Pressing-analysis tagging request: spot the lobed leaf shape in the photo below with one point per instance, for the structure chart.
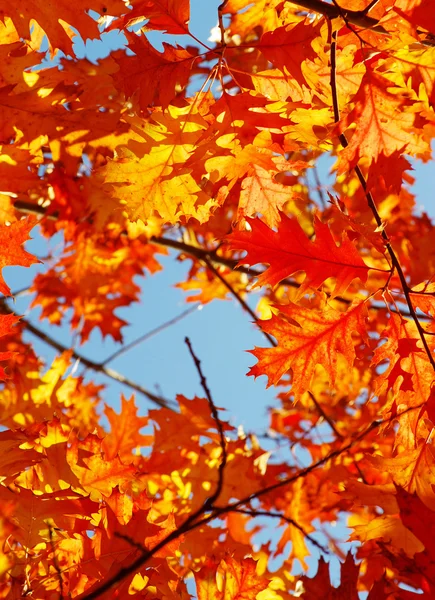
(57, 19)
(289, 250)
(169, 16)
(383, 123)
(320, 588)
(230, 579)
(287, 47)
(11, 239)
(307, 338)
(151, 75)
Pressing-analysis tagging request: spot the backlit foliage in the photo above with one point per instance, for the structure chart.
(207, 149)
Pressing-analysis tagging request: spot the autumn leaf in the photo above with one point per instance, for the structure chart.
(413, 470)
(58, 25)
(383, 123)
(121, 150)
(153, 77)
(287, 47)
(229, 580)
(319, 587)
(12, 238)
(307, 338)
(170, 16)
(290, 250)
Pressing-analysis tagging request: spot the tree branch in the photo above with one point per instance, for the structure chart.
(239, 299)
(193, 522)
(209, 504)
(276, 515)
(356, 17)
(200, 254)
(98, 367)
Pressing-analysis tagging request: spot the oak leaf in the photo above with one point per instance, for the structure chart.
(289, 250)
(12, 238)
(57, 22)
(287, 47)
(384, 123)
(169, 16)
(154, 77)
(320, 588)
(125, 435)
(413, 470)
(229, 579)
(307, 338)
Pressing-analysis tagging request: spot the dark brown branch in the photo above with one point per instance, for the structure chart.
(209, 504)
(356, 17)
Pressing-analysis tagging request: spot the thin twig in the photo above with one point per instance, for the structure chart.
(276, 515)
(239, 299)
(319, 187)
(209, 504)
(325, 416)
(150, 334)
(98, 367)
(56, 562)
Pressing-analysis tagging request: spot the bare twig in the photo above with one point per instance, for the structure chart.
(239, 299)
(325, 416)
(150, 334)
(276, 515)
(319, 187)
(98, 367)
(209, 504)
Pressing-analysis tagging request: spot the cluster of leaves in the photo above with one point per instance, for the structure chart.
(125, 160)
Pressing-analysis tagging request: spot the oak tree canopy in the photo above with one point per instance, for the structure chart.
(208, 151)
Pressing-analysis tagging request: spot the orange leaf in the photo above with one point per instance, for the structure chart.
(289, 250)
(11, 239)
(287, 47)
(170, 16)
(383, 123)
(320, 588)
(307, 338)
(229, 580)
(152, 75)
